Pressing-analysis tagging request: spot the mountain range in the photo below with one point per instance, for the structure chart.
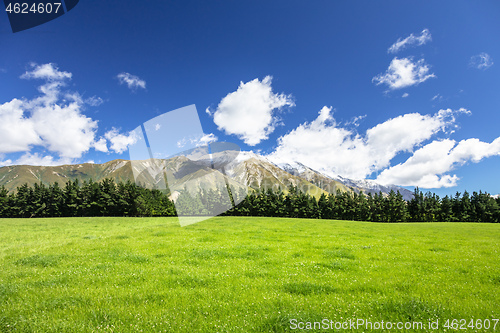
(247, 169)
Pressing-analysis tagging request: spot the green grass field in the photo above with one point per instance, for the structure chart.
(241, 274)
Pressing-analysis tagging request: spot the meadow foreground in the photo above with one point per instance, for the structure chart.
(239, 274)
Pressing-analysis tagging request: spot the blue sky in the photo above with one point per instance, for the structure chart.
(316, 82)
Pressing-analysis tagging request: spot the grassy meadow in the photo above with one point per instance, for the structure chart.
(240, 274)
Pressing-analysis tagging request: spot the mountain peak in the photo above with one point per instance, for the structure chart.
(248, 168)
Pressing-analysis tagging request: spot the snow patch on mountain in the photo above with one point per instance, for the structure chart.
(293, 168)
(371, 186)
(34, 175)
(364, 185)
(246, 155)
(230, 162)
(118, 166)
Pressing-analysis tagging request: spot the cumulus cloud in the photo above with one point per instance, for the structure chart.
(481, 61)
(400, 44)
(101, 145)
(64, 129)
(335, 150)
(429, 165)
(132, 81)
(54, 120)
(17, 132)
(5, 163)
(206, 139)
(250, 111)
(404, 73)
(405, 95)
(49, 72)
(36, 159)
(120, 142)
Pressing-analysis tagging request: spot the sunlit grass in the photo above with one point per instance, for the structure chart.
(240, 274)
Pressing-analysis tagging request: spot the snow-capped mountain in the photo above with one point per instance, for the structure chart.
(365, 185)
(371, 186)
(241, 168)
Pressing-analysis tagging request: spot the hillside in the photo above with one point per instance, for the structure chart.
(13, 176)
(247, 169)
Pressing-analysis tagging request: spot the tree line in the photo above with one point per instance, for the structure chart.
(429, 207)
(107, 198)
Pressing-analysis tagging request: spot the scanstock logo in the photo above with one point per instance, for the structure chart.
(171, 153)
(26, 14)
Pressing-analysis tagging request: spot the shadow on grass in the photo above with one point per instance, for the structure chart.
(342, 253)
(307, 288)
(40, 260)
(7, 291)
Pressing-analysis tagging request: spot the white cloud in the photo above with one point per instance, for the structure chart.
(206, 139)
(101, 145)
(197, 141)
(181, 143)
(424, 37)
(335, 150)
(120, 142)
(438, 98)
(481, 61)
(94, 101)
(355, 120)
(405, 95)
(404, 73)
(17, 132)
(36, 159)
(6, 163)
(53, 120)
(429, 165)
(250, 111)
(132, 81)
(64, 129)
(49, 72)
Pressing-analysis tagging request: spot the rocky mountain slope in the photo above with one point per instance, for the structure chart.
(246, 169)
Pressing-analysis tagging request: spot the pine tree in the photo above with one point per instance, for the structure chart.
(39, 200)
(23, 201)
(446, 210)
(71, 197)
(416, 206)
(363, 211)
(323, 207)
(4, 202)
(466, 208)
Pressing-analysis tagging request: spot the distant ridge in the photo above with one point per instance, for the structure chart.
(248, 168)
